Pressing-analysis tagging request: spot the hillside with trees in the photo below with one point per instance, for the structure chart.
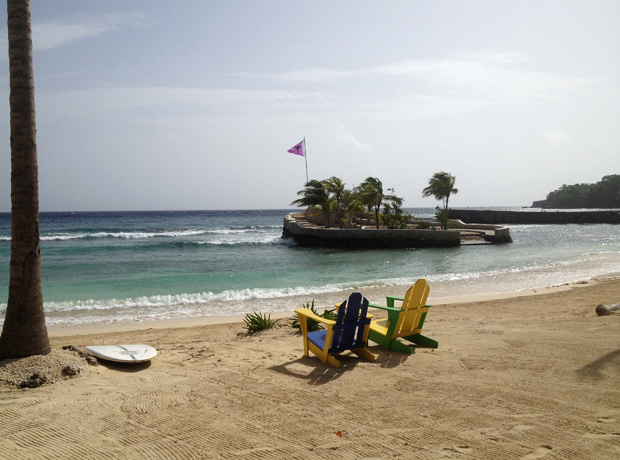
(603, 194)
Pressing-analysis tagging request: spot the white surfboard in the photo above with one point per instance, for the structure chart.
(123, 353)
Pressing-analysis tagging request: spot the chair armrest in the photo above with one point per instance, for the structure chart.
(391, 298)
(310, 314)
(383, 307)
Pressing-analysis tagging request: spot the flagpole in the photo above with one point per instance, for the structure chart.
(305, 158)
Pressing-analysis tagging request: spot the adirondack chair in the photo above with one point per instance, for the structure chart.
(348, 332)
(405, 322)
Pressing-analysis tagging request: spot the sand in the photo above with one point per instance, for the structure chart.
(525, 377)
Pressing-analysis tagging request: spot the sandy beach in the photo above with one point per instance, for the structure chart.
(525, 376)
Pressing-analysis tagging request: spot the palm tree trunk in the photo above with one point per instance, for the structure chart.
(24, 332)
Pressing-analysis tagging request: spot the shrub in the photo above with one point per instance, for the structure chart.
(313, 325)
(393, 217)
(422, 225)
(255, 322)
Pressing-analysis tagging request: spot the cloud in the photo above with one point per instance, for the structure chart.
(498, 78)
(177, 102)
(352, 140)
(556, 137)
(52, 34)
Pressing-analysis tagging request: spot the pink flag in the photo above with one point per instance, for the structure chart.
(298, 149)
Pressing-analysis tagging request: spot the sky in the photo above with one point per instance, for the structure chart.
(168, 105)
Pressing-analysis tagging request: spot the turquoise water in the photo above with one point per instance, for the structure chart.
(137, 266)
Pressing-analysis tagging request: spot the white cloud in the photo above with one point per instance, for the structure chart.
(174, 101)
(556, 137)
(352, 140)
(498, 78)
(59, 32)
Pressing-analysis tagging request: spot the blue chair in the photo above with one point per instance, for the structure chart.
(348, 332)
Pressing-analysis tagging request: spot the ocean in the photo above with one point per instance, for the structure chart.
(103, 268)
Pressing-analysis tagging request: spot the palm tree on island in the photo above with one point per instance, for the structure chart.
(315, 194)
(330, 196)
(441, 186)
(336, 187)
(371, 193)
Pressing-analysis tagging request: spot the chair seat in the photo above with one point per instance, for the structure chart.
(380, 326)
(318, 338)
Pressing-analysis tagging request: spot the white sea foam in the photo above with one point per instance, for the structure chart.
(125, 235)
(511, 279)
(163, 234)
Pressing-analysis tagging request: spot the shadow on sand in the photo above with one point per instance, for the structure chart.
(123, 367)
(594, 370)
(312, 370)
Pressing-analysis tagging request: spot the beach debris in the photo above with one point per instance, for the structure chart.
(90, 359)
(72, 348)
(604, 310)
(72, 370)
(34, 381)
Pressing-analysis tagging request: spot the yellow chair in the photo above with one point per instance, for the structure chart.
(405, 322)
(348, 332)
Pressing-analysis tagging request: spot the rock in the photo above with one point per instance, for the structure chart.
(91, 360)
(72, 370)
(34, 381)
(72, 348)
(604, 310)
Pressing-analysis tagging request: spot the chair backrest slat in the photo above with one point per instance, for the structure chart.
(413, 307)
(350, 323)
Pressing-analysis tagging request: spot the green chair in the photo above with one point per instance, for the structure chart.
(405, 322)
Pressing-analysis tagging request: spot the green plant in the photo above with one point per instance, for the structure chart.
(442, 217)
(422, 225)
(393, 217)
(313, 324)
(371, 194)
(255, 322)
(315, 194)
(441, 186)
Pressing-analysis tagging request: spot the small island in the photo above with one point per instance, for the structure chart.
(366, 218)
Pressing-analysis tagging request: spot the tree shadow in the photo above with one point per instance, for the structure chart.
(123, 367)
(593, 370)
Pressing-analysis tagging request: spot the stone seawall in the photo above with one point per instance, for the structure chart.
(368, 238)
(536, 217)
